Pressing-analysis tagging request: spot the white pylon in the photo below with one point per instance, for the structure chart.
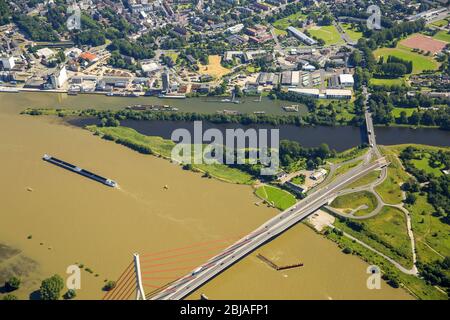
(140, 294)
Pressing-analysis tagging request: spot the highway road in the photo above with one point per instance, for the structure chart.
(272, 228)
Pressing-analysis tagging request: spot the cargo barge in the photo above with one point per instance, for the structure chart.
(83, 172)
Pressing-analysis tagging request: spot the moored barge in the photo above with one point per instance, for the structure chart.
(83, 172)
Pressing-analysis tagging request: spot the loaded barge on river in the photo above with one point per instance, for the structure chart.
(83, 172)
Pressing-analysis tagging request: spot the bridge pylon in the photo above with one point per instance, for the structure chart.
(140, 294)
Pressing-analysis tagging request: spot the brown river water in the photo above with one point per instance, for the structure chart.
(74, 220)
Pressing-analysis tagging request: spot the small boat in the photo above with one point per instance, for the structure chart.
(110, 94)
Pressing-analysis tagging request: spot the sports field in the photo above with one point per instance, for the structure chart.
(275, 196)
(214, 68)
(421, 42)
(420, 62)
(387, 82)
(328, 33)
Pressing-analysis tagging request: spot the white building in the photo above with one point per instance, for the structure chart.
(318, 174)
(235, 29)
(346, 80)
(59, 78)
(8, 63)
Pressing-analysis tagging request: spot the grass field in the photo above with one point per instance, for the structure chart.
(352, 201)
(279, 198)
(396, 111)
(440, 23)
(159, 146)
(351, 32)
(387, 233)
(172, 54)
(387, 82)
(431, 234)
(328, 33)
(424, 165)
(298, 180)
(214, 68)
(420, 62)
(367, 179)
(284, 23)
(443, 36)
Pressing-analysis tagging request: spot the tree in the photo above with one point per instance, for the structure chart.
(347, 250)
(51, 288)
(70, 294)
(12, 284)
(109, 285)
(10, 297)
(410, 198)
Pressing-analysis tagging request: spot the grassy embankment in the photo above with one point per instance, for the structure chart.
(346, 167)
(365, 180)
(416, 286)
(276, 197)
(389, 190)
(348, 155)
(161, 147)
(364, 202)
(385, 232)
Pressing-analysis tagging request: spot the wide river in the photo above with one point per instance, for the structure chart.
(56, 218)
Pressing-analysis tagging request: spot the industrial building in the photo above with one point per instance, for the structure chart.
(346, 80)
